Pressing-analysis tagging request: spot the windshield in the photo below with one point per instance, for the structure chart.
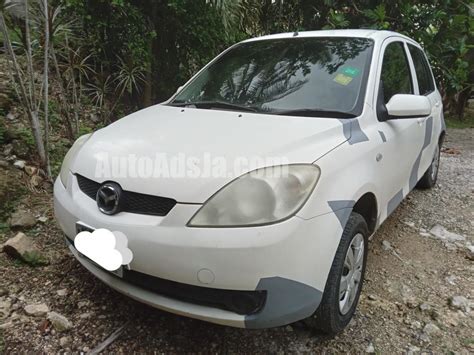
(316, 76)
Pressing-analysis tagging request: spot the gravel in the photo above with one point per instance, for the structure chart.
(411, 301)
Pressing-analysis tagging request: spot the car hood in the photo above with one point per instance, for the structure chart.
(229, 142)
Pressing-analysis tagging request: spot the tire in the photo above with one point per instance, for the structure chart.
(329, 318)
(428, 180)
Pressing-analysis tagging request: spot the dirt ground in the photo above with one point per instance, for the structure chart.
(405, 305)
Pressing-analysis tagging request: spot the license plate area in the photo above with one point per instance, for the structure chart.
(81, 227)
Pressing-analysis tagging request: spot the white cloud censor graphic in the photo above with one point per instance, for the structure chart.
(108, 249)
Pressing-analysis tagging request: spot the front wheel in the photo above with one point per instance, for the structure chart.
(428, 180)
(345, 279)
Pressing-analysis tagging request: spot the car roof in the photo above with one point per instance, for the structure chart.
(357, 33)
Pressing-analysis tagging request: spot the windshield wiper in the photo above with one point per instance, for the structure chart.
(215, 104)
(314, 112)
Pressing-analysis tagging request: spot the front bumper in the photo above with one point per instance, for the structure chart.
(290, 261)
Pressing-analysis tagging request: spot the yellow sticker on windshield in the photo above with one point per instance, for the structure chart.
(342, 79)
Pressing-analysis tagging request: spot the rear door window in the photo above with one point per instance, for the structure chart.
(422, 69)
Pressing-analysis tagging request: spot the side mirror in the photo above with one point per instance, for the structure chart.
(408, 106)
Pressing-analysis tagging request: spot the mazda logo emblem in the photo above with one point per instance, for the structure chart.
(108, 198)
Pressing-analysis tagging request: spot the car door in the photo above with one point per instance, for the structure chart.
(402, 139)
(426, 86)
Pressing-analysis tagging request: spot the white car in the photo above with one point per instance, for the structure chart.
(353, 122)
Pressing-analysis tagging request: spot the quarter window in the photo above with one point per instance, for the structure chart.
(422, 69)
(396, 77)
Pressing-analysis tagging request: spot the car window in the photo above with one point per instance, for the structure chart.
(422, 69)
(279, 75)
(396, 77)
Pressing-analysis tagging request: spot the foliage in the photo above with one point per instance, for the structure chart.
(35, 259)
(444, 27)
(121, 55)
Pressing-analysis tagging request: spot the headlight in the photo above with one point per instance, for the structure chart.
(262, 196)
(69, 158)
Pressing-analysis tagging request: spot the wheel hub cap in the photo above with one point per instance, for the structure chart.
(351, 273)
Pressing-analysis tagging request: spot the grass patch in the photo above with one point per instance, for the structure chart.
(467, 122)
(468, 341)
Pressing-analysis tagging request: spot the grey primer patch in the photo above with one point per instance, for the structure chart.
(287, 301)
(352, 131)
(342, 209)
(394, 202)
(428, 132)
(414, 170)
(382, 135)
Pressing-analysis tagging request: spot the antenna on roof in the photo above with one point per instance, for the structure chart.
(295, 33)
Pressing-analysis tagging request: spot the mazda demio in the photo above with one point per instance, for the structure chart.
(356, 120)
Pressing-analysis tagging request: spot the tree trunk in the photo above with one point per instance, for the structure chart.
(46, 87)
(24, 97)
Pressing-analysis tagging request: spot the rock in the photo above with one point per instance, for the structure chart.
(36, 180)
(62, 292)
(372, 297)
(31, 170)
(36, 310)
(24, 248)
(86, 315)
(412, 349)
(59, 322)
(451, 279)
(407, 296)
(22, 219)
(386, 245)
(64, 341)
(6, 325)
(19, 164)
(470, 251)
(10, 116)
(431, 329)
(4, 164)
(410, 224)
(8, 149)
(460, 302)
(289, 328)
(370, 349)
(43, 219)
(439, 232)
(424, 307)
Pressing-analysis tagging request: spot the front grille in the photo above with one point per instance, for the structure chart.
(240, 302)
(134, 202)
